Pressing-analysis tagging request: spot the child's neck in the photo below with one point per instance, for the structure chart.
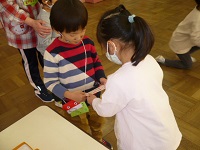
(46, 8)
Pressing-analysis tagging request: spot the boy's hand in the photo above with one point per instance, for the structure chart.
(103, 81)
(77, 96)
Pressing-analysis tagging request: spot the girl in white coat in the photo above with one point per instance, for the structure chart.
(134, 93)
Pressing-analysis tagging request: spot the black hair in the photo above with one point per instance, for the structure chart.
(114, 24)
(198, 4)
(68, 15)
(40, 1)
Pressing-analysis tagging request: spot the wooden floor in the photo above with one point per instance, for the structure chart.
(183, 86)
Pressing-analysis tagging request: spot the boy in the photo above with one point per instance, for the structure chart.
(71, 64)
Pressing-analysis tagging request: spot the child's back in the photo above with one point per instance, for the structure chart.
(134, 93)
(44, 14)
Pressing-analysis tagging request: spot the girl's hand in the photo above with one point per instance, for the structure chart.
(39, 26)
(90, 98)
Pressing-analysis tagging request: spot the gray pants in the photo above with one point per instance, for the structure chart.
(185, 61)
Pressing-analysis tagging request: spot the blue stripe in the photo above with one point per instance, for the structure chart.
(50, 64)
(47, 84)
(62, 62)
(51, 75)
(71, 85)
(71, 73)
(80, 83)
(63, 75)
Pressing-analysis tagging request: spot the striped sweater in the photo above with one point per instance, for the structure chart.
(71, 67)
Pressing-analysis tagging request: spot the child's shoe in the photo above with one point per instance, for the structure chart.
(160, 59)
(193, 59)
(43, 94)
(59, 103)
(107, 144)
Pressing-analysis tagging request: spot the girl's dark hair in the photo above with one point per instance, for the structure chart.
(40, 1)
(114, 24)
(198, 4)
(68, 15)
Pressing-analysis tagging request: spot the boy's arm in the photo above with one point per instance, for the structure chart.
(51, 79)
(99, 71)
(52, 82)
(77, 96)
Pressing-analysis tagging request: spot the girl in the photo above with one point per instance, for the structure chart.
(134, 93)
(18, 18)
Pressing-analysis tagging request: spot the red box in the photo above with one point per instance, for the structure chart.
(70, 104)
(93, 1)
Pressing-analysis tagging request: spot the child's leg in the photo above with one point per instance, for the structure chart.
(80, 121)
(185, 61)
(84, 123)
(95, 122)
(30, 64)
(41, 59)
(194, 48)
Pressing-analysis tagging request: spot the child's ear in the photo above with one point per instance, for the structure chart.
(116, 43)
(111, 47)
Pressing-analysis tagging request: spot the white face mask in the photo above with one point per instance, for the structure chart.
(113, 58)
(50, 6)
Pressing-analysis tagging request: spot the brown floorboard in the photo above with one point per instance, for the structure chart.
(183, 86)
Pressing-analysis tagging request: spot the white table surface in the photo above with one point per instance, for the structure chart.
(44, 129)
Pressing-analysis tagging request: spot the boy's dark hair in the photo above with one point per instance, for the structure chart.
(68, 15)
(114, 24)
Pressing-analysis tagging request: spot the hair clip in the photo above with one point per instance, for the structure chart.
(111, 15)
(131, 18)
